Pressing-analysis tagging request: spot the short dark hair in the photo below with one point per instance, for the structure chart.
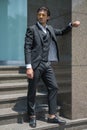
(45, 9)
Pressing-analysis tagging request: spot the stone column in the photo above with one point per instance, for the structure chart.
(77, 108)
(79, 60)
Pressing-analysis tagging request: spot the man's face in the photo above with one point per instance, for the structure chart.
(42, 17)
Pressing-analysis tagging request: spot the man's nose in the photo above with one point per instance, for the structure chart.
(41, 16)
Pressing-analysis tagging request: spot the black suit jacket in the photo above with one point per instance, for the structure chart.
(34, 41)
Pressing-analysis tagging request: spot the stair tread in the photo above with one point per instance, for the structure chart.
(7, 111)
(59, 71)
(12, 74)
(10, 112)
(16, 96)
(10, 67)
(11, 96)
(22, 84)
(61, 80)
(14, 84)
(41, 125)
(21, 110)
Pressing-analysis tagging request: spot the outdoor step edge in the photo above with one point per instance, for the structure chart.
(14, 84)
(16, 96)
(12, 111)
(43, 125)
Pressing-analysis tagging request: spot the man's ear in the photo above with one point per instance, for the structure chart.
(48, 18)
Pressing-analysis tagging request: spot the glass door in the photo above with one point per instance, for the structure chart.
(13, 22)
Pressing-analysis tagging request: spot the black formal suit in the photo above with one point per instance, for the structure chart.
(34, 40)
(34, 44)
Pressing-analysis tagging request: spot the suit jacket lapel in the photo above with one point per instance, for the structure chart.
(52, 32)
(39, 32)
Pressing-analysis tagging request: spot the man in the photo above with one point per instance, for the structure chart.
(41, 48)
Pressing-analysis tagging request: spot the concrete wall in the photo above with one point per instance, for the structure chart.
(79, 60)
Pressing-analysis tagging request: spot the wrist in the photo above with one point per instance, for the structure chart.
(28, 66)
(70, 24)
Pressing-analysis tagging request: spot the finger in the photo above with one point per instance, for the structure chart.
(30, 76)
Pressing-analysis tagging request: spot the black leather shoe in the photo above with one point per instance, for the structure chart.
(32, 122)
(56, 120)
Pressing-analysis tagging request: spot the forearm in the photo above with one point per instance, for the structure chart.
(28, 45)
(63, 31)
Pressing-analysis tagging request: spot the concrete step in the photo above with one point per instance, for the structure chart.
(12, 100)
(18, 87)
(13, 80)
(12, 69)
(21, 69)
(19, 100)
(14, 115)
(64, 86)
(9, 76)
(12, 88)
(79, 124)
(61, 66)
(17, 70)
(12, 75)
(41, 125)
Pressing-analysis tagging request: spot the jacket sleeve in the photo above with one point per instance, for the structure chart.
(28, 45)
(62, 31)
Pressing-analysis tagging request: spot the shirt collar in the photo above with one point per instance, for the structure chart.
(42, 28)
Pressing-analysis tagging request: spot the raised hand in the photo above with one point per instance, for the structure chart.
(75, 23)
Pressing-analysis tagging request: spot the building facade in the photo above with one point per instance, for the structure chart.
(15, 15)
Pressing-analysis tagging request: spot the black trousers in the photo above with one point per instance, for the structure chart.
(44, 71)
